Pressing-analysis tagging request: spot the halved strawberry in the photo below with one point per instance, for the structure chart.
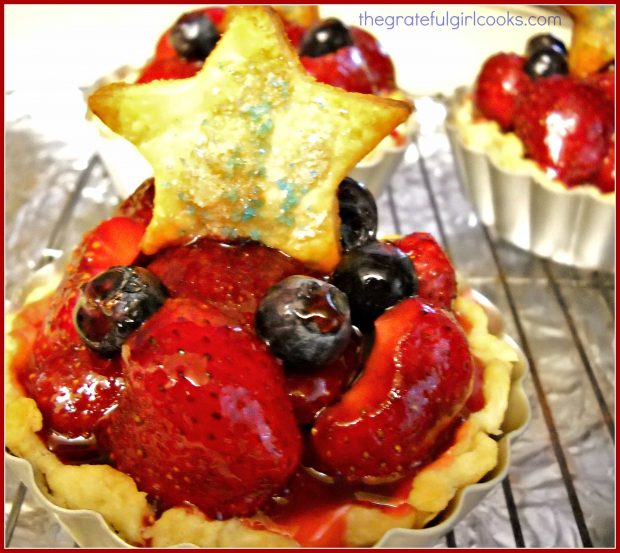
(234, 278)
(205, 418)
(404, 407)
(436, 277)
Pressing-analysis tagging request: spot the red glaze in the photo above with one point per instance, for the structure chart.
(476, 400)
(378, 62)
(205, 418)
(436, 277)
(312, 391)
(500, 82)
(414, 385)
(566, 126)
(344, 68)
(234, 278)
(72, 385)
(313, 511)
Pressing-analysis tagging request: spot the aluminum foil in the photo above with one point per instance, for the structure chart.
(560, 489)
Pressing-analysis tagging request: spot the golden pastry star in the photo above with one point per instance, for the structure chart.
(252, 146)
(593, 42)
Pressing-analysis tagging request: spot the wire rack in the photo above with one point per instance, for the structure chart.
(560, 489)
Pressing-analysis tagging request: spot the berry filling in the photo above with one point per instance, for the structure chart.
(565, 122)
(238, 340)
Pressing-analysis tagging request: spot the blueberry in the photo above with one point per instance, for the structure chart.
(358, 214)
(325, 37)
(374, 277)
(545, 42)
(305, 322)
(193, 36)
(545, 63)
(115, 303)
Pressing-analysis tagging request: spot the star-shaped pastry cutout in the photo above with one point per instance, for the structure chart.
(593, 41)
(252, 146)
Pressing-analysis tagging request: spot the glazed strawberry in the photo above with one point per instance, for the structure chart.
(566, 126)
(72, 385)
(606, 177)
(294, 32)
(606, 82)
(500, 82)
(312, 391)
(343, 68)
(169, 68)
(139, 206)
(403, 408)
(377, 60)
(205, 407)
(436, 277)
(234, 278)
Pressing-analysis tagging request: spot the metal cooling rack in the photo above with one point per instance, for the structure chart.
(560, 489)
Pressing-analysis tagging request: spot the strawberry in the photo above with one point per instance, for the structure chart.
(72, 385)
(312, 391)
(205, 418)
(605, 82)
(436, 277)
(566, 126)
(500, 82)
(378, 62)
(343, 68)
(404, 407)
(294, 32)
(139, 206)
(168, 68)
(606, 177)
(234, 278)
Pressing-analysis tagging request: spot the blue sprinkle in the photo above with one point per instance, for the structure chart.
(314, 173)
(286, 220)
(265, 127)
(165, 185)
(248, 213)
(255, 235)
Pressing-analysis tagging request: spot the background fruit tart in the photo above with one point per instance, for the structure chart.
(242, 349)
(534, 143)
(345, 56)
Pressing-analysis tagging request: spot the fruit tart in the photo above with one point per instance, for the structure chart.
(534, 142)
(344, 56)
(234, 358)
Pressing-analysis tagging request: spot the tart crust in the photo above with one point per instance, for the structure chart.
(115, 495)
